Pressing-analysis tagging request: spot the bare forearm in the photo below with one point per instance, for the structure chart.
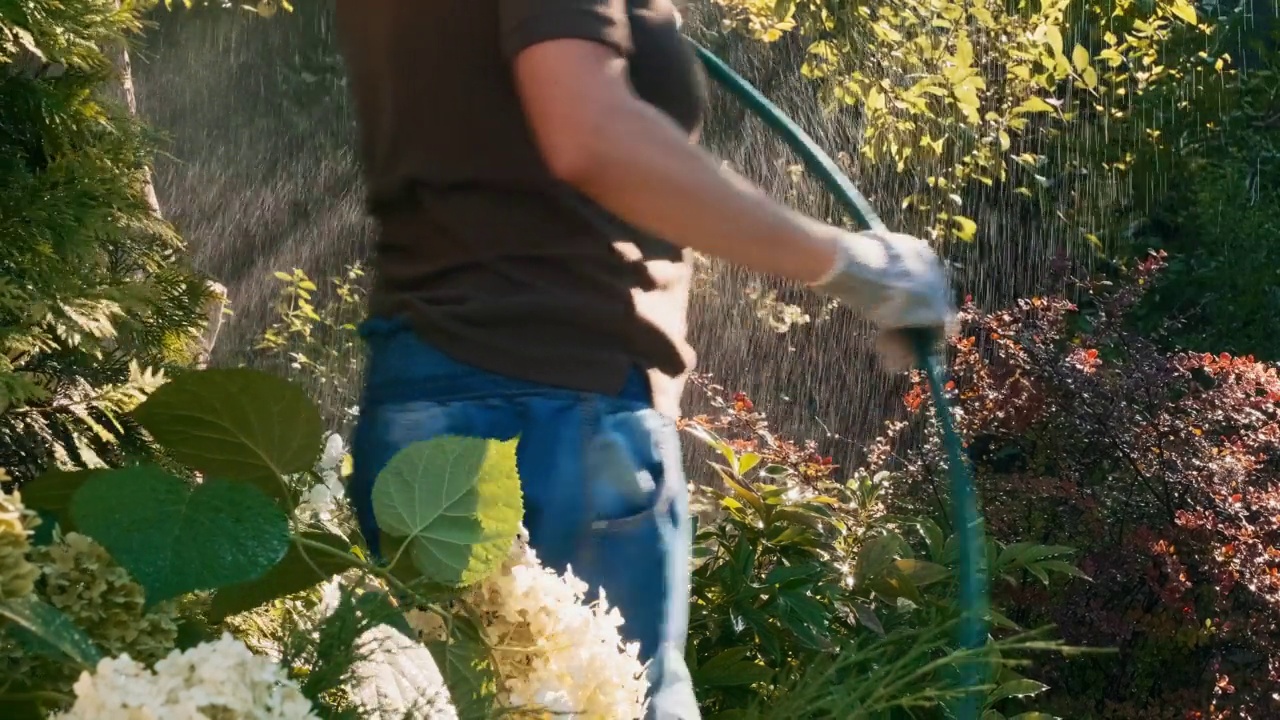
(644, 171)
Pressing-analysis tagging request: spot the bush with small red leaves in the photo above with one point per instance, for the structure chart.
(1162, 469)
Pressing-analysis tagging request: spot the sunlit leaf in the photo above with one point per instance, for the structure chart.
(1016, 689)
(1033, 105)
(1080, 58)
(965, 228)
(454, 503)
(1184, 11)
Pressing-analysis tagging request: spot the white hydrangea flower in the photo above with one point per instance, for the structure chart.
(553, 651)
(219, 680)
(323, 501)
(334, 450)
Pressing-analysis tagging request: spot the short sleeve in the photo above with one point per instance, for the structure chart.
(525, 23)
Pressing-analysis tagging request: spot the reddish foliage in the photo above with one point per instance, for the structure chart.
(1163, 469)
(737, 421)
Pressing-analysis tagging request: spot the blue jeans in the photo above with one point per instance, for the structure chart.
(601, 477)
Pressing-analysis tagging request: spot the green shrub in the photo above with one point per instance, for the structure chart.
(1220, 225)
(94, 294)
(810, 600)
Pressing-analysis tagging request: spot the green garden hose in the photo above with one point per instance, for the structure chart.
(965, 518)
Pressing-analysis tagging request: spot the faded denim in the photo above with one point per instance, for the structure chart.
(602, 481)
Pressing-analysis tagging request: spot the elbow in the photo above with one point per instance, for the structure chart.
(577, 155)
(573, 161)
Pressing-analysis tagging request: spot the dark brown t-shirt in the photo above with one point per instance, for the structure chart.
(491, 259)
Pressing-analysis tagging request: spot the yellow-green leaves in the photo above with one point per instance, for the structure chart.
(823, 59)
(1080, 61)
(765, 20)
(964, 228)
(964, 54)
(1033, 105)
(1090, 77)
(1053, 36)
(1184, 11)
(957, 90)
(1080, 58)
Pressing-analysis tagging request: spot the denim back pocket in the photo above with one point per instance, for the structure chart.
(637, 548)
(631, 465)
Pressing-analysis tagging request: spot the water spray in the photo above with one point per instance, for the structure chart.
(965, 519)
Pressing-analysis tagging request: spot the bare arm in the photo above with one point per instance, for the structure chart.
(633, 160)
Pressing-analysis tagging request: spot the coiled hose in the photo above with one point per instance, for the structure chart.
(965, 519)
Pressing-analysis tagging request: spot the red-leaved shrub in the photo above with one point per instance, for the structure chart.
(1162, 469)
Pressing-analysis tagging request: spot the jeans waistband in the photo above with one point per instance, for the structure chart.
(402, 366)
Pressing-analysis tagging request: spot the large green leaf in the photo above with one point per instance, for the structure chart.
(453, 503)
(175, 539)
(302, 568)
(50, 625)
(236, 423)
(878, 553)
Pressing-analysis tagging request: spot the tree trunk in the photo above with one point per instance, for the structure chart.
(124, 92)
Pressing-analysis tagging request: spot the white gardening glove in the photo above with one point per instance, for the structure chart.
(897, 282)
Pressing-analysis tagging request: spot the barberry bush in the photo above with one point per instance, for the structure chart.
(1160, 467)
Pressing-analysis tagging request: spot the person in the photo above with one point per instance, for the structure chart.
(533, 171)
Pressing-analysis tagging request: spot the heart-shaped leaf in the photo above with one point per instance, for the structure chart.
(175, 539)
(453, 503)
(236, 423)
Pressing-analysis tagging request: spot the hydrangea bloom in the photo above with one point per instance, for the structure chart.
(17, 574)
(82, 580)
(219, 680)
(322, 502)
(553, 651)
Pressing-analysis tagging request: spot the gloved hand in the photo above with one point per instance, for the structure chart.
(897, 281)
